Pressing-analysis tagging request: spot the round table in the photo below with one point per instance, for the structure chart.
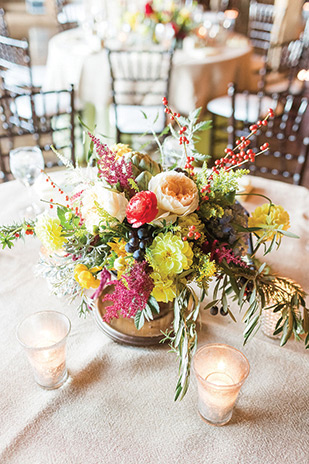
(117, 406)
(198, 74)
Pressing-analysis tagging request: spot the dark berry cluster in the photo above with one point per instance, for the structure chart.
(139, 240)
(214, 311)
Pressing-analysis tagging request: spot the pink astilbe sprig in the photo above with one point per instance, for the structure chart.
(130, 293)
(219, 252)
(113, 170)
(104, 279)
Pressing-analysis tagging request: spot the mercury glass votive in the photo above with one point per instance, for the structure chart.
(220, 371)
(43, 335)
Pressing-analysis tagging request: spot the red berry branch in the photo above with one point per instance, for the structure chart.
(183, 140)
(233, 158)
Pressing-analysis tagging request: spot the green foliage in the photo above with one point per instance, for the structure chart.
(183, 338)
(10, 233)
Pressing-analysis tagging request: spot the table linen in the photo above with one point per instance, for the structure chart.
(117, 406)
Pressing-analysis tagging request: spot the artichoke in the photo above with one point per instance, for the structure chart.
(143, 167)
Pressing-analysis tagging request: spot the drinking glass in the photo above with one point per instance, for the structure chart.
(26, 164)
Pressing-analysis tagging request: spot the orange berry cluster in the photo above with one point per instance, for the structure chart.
(193, 233)
(29, 231)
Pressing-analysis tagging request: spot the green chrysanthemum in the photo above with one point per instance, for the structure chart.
(164, 288)
(169, 254)
(48, 230)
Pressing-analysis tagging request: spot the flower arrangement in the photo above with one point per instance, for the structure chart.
(161, 233)
(179, 17)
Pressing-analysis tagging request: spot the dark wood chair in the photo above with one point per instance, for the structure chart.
(4, 30)
(282, 64)
(261, 18)
(286, 134)
(139, 80)
(67, 14)
(278, 76)
(16, 72)
(38, 118)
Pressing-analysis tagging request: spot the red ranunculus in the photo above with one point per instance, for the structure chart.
(148, 9)
(142, 208)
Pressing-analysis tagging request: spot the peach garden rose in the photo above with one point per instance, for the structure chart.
(177, 195)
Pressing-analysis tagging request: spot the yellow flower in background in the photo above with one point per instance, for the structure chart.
(169, 254)
(184, 13)
(269, 217)
(164, 288)
(48, 230)
(131, 19)
(84, 276)
(120, 149)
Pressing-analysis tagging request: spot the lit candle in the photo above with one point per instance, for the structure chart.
(43, 336)
(220, 371)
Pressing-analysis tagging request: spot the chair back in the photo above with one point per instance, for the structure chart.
(38, 118)
(66, 14)
(286, 134)
(139, 80)
(261, 17)
(15, 65)
(3, 24)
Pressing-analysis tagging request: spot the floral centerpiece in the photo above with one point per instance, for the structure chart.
(161, 12)
(159, 233)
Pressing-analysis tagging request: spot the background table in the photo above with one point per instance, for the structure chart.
(198, 75)
(117, 406)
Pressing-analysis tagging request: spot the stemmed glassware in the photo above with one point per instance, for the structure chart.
(26, 164)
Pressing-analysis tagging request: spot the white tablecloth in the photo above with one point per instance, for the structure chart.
(117, 406)
(198, 75)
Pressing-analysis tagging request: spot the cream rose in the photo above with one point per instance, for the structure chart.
(97, 197)
(177, 195)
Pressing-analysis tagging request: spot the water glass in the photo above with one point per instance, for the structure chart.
(26, 164)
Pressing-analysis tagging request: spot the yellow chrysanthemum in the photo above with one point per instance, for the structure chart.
(84, 277)
(120, 149)
(169, 254)
(164, 288)
(118, 246)
(269, 217)
(49, 230)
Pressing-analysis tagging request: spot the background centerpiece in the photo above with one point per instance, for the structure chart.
(142, 234)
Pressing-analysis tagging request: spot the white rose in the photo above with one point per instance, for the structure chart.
(97, 197)
(177, 194)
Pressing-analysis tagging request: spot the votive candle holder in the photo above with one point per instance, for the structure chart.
(220, 370)
(43, 336)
